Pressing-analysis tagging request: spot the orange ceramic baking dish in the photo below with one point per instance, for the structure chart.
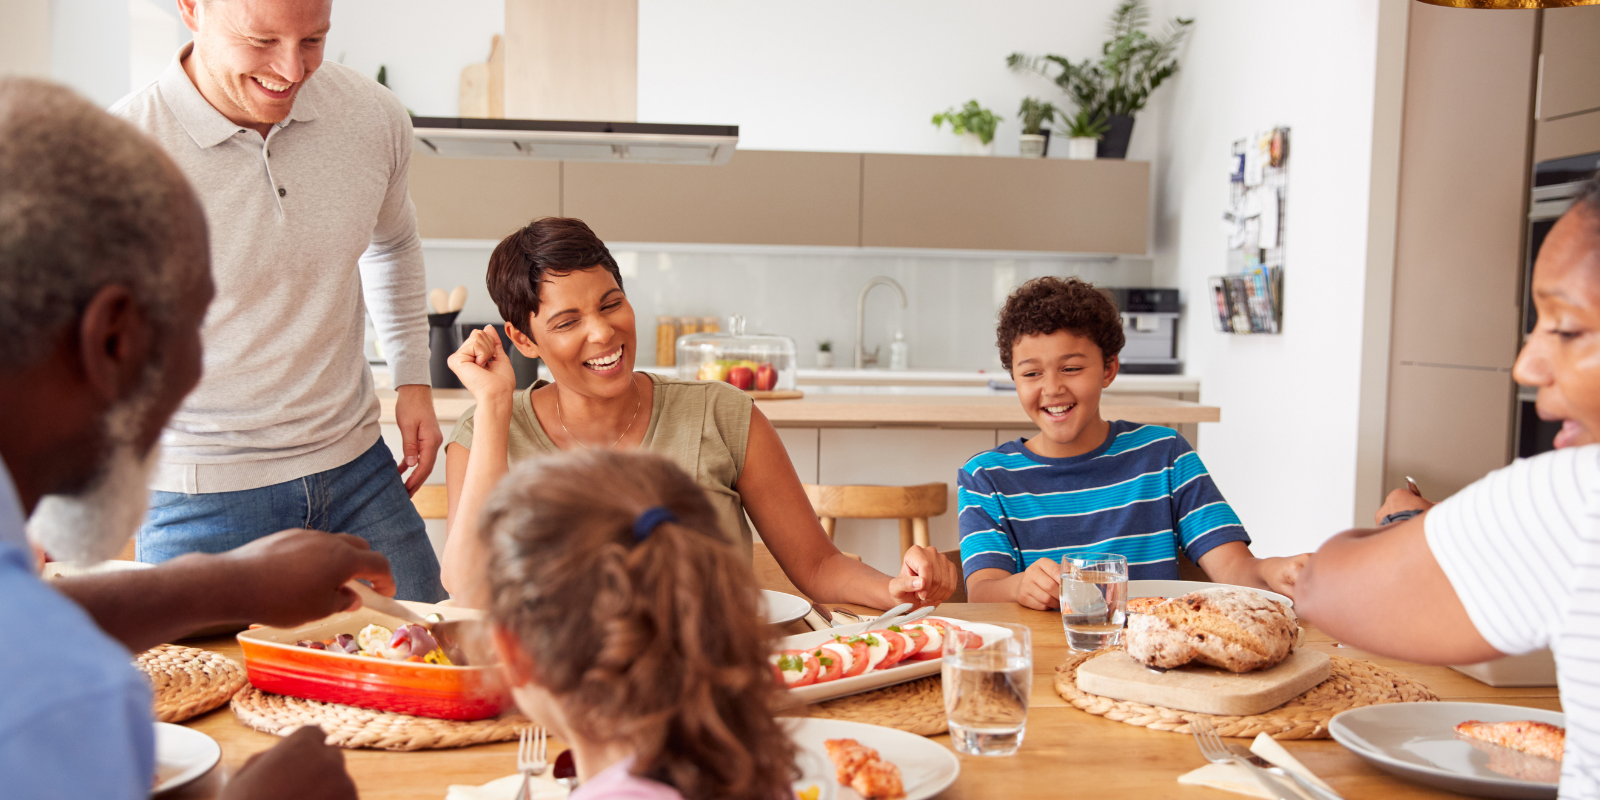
(274, 663)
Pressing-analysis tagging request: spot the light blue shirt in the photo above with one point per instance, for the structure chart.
(74, 712)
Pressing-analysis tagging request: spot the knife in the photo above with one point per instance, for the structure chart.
(1268, 781)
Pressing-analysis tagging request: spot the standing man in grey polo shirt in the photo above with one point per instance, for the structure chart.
(301, 167)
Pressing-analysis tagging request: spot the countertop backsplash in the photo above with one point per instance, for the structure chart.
(949, 321)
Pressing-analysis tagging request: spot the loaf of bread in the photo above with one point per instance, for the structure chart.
(1235, 629)
(1142, 605)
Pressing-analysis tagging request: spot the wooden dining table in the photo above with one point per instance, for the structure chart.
(1065, 751)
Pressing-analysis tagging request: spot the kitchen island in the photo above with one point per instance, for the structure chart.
(898, 434)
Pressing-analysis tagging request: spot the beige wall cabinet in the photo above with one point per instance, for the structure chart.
(481, 198)
(1569, 83)
(991, 203)
(1458, 253)
(759, 197)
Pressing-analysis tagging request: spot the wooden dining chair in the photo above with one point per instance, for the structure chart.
(960, 595)
(912, 505)
(432, 501)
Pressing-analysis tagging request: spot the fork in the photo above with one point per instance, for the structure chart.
(531, 757)
(1218, 752)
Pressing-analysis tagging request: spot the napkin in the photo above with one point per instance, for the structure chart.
(506, 789)
(1234, 778)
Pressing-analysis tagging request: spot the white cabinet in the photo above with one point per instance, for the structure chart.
(895, 457)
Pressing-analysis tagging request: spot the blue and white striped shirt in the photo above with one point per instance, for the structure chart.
(1142, 494)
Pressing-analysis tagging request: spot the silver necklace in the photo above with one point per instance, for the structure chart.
(637, 401)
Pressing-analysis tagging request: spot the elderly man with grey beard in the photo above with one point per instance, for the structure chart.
(104, 278)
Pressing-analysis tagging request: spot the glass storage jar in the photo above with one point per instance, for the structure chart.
(753, 362)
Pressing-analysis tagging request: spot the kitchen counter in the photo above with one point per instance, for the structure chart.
(897, 406)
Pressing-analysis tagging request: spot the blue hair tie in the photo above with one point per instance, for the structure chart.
(647, 521)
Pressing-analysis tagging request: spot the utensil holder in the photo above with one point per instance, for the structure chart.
(443, 343)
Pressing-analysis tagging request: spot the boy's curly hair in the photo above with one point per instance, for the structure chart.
(1045, 305)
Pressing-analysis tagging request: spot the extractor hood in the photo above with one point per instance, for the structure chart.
(565, 140)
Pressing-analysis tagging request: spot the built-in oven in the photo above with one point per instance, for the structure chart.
(1555, 184)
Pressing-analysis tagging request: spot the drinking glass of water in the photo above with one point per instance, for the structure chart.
(986, 690)
(1094, 600)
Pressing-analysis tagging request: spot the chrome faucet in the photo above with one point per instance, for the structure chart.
(862, 359)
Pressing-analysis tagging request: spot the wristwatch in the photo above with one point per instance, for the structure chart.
(1399, 516)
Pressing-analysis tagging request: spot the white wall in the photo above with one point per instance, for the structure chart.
(850, 76)
(424, 43)
(1285, 451)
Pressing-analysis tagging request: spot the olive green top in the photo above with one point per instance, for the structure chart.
(702, 426)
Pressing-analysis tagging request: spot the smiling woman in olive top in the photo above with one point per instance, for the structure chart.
(559, 289)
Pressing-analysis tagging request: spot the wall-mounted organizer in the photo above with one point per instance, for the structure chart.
(1249, 298)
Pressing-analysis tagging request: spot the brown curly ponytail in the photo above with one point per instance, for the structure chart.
(655, 643)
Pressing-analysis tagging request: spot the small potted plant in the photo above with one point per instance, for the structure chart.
(1084, 130)
(1035, 142)
(974, 124)
(825, 354)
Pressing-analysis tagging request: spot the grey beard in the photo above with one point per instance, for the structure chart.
(95, 524)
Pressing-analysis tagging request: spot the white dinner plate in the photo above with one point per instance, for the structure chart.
(926, 767)
(1417, 741)
(877, 679)
(182, 755)
(778, 608)
(1137, 589)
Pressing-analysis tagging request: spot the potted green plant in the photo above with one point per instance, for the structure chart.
(1132, 64)
(974, 124)
(1084, 132)
(825, 354)
(1034, 113)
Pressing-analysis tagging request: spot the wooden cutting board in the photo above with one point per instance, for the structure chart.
(1207, 690)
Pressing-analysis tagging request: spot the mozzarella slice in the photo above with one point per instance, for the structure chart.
(841, 654)
(935, 643)
(877, 650)
(790, 676)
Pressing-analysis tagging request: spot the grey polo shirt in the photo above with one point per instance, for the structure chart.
(310, 228)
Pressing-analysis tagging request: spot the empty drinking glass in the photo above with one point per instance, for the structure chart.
(986, 690)
(1094, 600)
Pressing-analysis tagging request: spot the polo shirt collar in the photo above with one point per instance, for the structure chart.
(202, 121)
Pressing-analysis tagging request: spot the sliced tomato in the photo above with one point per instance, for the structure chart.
(859, 657)
(974, 640)
(829, 665)
(935, 646)
(898, 643)
(796, 668)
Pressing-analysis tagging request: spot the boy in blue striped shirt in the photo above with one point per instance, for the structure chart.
(1085, 485)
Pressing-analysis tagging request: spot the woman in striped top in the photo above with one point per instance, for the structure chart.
(1511, 564)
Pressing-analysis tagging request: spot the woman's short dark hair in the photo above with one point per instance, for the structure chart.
(548, 246)
(1045, 305)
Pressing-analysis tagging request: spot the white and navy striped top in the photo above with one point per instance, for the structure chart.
(1522, 549)
(1143, 493)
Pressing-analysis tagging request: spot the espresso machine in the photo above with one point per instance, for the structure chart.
(1150, 325)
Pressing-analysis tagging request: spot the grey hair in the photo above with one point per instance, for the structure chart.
(86, 201)
(1589, 197)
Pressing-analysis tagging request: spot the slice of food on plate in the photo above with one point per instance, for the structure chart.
(795, 668)
(1235, 629)
(1537, 738)
(861, 768)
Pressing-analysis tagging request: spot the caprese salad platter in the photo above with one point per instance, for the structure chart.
(824, 665)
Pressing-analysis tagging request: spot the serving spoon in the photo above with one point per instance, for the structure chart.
(448, 633)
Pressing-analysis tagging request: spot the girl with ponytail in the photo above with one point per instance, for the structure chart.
(628, 625)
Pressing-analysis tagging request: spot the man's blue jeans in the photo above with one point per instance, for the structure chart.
(365, 497)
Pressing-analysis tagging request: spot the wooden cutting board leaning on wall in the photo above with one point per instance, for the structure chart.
(483, 86)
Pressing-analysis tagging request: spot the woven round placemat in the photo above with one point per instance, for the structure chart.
(188, 681)
(915, 707)
(1353, 684)
(353, 727)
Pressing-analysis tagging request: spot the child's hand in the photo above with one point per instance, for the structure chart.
(1281, 574)
(1039, 586)
(483, 366)
(926, 578)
